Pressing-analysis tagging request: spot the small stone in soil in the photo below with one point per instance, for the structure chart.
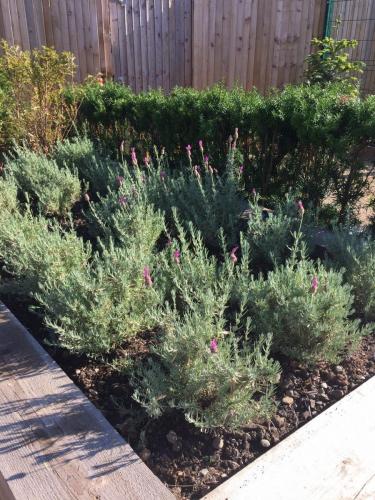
(278, 421)
(324, 385)
(339, 369)
(204, 472)
(172, 437)
(217, 443)
(287, 400)
(232, 464)
(145, 454)
(265, 443)
(337, 394)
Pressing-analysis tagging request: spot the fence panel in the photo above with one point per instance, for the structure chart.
(163, 43)
(255, 42)
(356, 19)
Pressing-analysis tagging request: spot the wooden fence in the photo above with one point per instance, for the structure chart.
(163, 43)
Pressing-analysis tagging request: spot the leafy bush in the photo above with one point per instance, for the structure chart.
(307, 310)
(33, 250)
(80, 155)
(331, 62)
(32, 107)
(53, 189)
(304, 136)
(214, 386)
(8, 196)
(96, 308)
(354, 251)
(269, 233)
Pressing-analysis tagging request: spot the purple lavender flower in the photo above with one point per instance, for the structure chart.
(134, 157)
(123, 200)
(163, 175)
(200, 143)
(188, 150)
(214, 346)
(176, 256)
(301, 208)
(241, 169)
(119, 180)
(314, 284)
(233, 256)
(147, 276)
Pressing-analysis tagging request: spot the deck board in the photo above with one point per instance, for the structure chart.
(54, 444)
(330, 458)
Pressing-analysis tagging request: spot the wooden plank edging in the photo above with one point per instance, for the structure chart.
(54, 443)
(330, 458)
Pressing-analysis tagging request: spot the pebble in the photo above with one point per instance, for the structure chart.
(290, 393)
(96, 370)
(145, 454)
(287, 400)
(172, 437)
(339, 369)
(337, 394)
(324, 385)
(232, 464)
(218, 443)
(278, 421)
(306, 415)
(204, 472)
(265, 443)
(78, 371)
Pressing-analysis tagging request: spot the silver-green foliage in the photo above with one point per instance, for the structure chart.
(108, 301)
(208, 201)
(270, 233)
(53, 189)
(354, 251)
(225, 386)
(306, 325)
(8, 197)
(33, 250)
(80, 155)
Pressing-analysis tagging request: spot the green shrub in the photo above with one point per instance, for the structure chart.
(304, 137)
(354, 251)
(309, 320)
(80, 155)
(32, 251)
(8, 196)
(270, 233)
(331, 62)
(229, 386)
(53, 189)
(32, 107)
(96, 308)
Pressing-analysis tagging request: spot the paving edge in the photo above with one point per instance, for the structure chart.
(54, 443)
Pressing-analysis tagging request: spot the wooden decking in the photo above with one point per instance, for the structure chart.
(330, 458)
(54, 444)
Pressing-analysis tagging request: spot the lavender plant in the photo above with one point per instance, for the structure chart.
(96, 308)
(8, 197)
(306, 308)
(33, 250)
(80, 155)
(269, 233)
(198, 367)
(354, 251)
(53, 189)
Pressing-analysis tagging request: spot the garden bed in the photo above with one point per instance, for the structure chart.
(205, 460)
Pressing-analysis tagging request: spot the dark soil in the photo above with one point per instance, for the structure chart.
(189, 461)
